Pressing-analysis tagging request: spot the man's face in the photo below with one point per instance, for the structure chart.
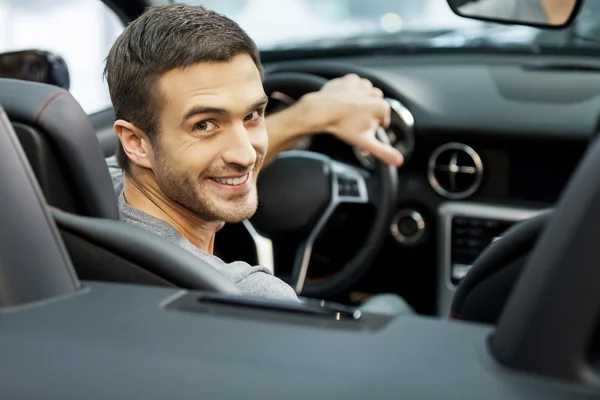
(212, 138)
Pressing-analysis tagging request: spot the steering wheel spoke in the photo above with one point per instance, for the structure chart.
(263, 245)
(349, 184)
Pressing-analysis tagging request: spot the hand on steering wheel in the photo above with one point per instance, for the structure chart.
(352, 109)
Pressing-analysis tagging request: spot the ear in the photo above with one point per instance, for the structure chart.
(135, 143)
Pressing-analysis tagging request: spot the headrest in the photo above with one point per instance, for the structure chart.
(61, 146)
(35, 66)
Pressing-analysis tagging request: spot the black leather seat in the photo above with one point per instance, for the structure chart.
(67, 160)
(61, 146)
(484, 291)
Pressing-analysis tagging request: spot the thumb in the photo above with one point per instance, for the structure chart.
(384, 152)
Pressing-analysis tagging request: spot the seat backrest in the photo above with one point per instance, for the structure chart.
(61, 145)
(484, 291)
(107, 250)
(34, 265)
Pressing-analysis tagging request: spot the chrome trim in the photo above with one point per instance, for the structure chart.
(417, 217)
(407, 122)
(408, 126)
(263, 246)
(449, 210)
(403, 112)
(453, 168)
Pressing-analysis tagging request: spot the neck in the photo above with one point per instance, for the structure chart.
(143, 193)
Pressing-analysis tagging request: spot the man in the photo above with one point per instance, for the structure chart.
(186, 86)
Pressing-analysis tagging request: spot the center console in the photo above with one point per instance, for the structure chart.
(466, 229)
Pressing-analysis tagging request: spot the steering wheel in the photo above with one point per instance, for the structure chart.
(300, 190)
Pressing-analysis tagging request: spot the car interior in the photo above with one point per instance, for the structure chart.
(487, 230)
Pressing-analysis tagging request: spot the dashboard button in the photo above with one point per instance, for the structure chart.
(408, 227)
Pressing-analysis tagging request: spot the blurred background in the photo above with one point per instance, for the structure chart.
(82, 31)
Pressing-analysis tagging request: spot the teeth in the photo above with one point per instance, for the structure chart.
(231, 181)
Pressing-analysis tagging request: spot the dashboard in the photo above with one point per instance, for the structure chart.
(493, 137)
(527, 120)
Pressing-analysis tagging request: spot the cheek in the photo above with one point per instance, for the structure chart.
(260, 139)
(197, 159)
(190, 158)
(200, 158)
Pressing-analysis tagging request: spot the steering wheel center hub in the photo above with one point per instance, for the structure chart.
(294, 191)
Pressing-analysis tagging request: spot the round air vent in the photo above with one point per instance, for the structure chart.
(455, 171)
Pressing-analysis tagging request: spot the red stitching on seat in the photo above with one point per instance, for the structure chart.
(43, 103)
(49, 107)
(454, 315)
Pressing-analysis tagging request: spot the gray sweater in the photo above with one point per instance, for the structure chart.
(252, 280)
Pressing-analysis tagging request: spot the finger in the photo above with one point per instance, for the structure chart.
(382, 111)
(382, 151)
(376, 92)
(342, 82)
(387, 116)
(366, 83)
(364, 153)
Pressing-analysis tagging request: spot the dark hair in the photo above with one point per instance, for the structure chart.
(161, 39)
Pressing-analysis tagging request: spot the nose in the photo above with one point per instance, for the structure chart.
(239, 148)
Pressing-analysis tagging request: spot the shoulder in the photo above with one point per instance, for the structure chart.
(256, 280)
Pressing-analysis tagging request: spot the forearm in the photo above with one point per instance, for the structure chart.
(285, 128)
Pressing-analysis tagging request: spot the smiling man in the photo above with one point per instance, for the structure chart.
(201, 170)
(186, 86)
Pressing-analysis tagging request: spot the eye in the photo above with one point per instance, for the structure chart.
(205, 126)
(255, 116)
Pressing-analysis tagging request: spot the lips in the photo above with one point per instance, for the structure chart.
(232, 181)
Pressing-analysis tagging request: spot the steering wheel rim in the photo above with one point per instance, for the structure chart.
(382, 188)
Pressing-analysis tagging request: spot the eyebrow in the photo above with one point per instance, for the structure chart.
(197, 110)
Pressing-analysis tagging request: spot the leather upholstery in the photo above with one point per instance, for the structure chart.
(34, 265)
(484, 291)
(62, 147)
(158, 256)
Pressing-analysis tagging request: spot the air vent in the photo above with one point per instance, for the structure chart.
(455, 171)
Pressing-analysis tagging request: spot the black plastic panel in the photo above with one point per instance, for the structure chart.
(480, 93)
(470, 236)
(118, 342)
(284, 312)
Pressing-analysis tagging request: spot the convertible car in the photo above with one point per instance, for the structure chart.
(488, 230)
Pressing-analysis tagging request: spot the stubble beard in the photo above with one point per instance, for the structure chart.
(195, 195)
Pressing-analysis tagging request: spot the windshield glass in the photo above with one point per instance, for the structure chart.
(306, 24)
